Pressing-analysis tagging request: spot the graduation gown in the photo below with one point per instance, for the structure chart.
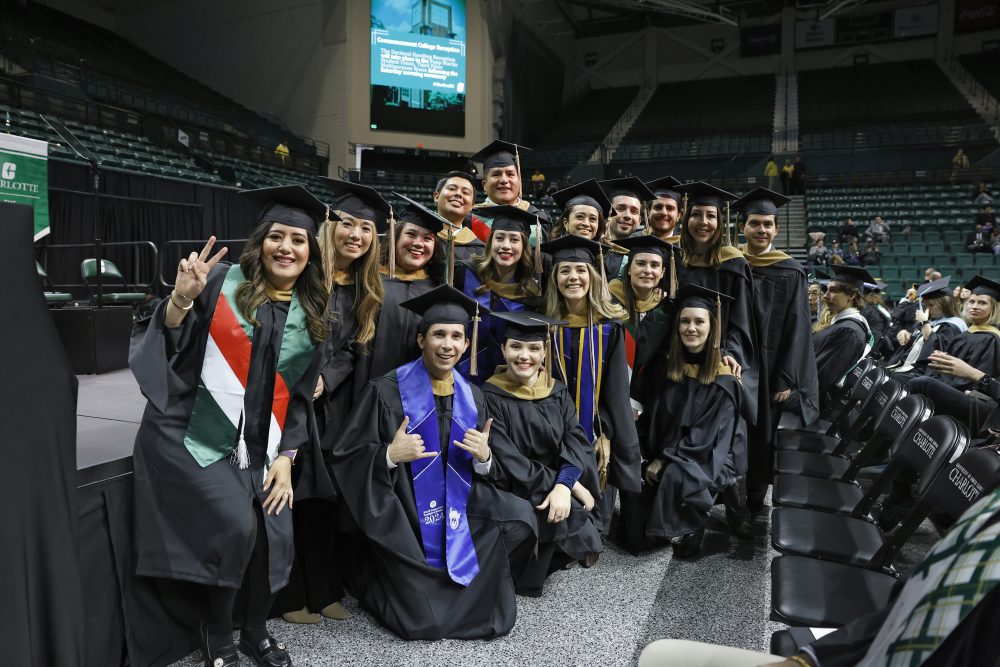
(644, 338)
(500, 298)
(197, 524)
(395, 341)
(943, 332)
(732, 277)
(390, 576)
(693, 428)
(784, 351)
(839, 347)
(467, 244)
(614, 410)
(537, 433)
(980, 348)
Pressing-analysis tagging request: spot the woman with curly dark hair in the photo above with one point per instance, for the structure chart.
(228, 364)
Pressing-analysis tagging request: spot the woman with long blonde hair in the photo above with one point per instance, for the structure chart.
(348, 241)
(589, 357)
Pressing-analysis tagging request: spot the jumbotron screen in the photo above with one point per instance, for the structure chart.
(418, 66)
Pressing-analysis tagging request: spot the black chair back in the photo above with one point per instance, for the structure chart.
(842, 404)
(933, 445)
(961, 483)
(903, 417)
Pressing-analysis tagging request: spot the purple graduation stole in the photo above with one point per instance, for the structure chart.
(586, 360)
(489, 353)
(442, 492)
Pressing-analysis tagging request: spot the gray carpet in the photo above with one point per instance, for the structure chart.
(601, 616)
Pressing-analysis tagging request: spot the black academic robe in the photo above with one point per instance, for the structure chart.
(693, 428)
(395, 340)
(979, 349)
(878, 321)
(389, 573)
(467, 244)
(941, 338)
(838, 348)
(614, 415)
(902, 318)
(785, 357)
(197, 524)
(739, 339)
(534, 439)
(613, 263)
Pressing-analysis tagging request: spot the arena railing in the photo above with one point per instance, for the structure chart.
(134, 260)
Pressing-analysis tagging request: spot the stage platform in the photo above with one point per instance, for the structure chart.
(108, 411)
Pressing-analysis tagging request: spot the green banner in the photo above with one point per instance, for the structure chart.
(24, 177)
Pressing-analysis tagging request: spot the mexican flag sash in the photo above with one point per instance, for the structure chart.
(215, 427)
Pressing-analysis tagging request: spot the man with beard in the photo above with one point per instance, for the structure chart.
(666, 209)
(628, 196)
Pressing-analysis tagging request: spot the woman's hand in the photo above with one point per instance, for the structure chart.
(557, 503)
(192, 273)
(320, 386)
(279, 481)
(920, 316)
(654, 470)
(734, 366)
(903, 337)
(477, 443)
(945, 363)
(584, 496)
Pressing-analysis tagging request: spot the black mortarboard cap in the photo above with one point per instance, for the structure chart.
(667, 187)
(760, 201)
(508, 218)
(984, 287)
(935, 288)
(696, 296)
(527, 326)
(573, 249)
(854, 276)
(705, 194)
(290, 205)
(444, 305)
(361, 201)
(420, 215)
(498, 154)
(646, 243)
(631, 186)
(588, 193)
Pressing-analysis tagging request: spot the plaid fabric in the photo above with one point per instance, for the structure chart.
(959, 571)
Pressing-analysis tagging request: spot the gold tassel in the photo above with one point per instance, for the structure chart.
(729, 240)
(717, 336)
(326, 216)
(673, 275)
(605, 292)
(684, 206)
(392, 244)
(538, 247)
(473, 360)
(517, 166)
(548, 355)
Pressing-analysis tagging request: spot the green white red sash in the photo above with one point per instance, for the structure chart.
(216, 425)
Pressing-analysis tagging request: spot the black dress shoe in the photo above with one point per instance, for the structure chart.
(268, 653)
(223, 656)
(689, 546)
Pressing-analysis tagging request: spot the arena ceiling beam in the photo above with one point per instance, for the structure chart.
(684, 8)
(835, 7)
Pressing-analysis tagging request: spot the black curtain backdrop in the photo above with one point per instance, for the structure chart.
(135, 207)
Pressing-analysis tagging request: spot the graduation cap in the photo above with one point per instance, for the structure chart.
(630, 186)
(700, 193)
(530, 327)
(290, 205)
(361, 201)
(696, 296)
(760, 201)
(588, 193)
(666, 187)
(419, 215)
(983, 286)
(854, 276)
(656, 246)
(935, 288)
(499, 154)
(447, 305)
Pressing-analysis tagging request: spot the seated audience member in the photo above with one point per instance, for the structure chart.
(541, 446)
(851, 255)
(982, 194)
(836, 251)
(415, 469)
(955, 585)
(878, 231)
(818, 253)
(848, 231)
(871, 254)
(978, 240)
(987, 219)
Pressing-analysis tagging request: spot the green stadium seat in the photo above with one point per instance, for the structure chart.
(52, 297)
(109, 274)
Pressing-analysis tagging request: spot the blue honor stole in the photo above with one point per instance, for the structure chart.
(494, 327)
(586, 360)
(442, 492)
